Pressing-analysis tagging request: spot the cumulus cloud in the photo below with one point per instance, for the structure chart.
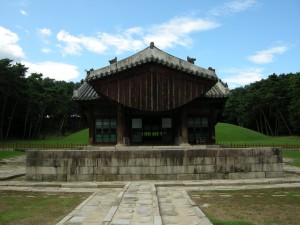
(8, 45)
(44, 32)
(125, 41)
(177, 31)
(237, 77)
(54, 70)
(231, 7)
(73, 45)
(267, 56)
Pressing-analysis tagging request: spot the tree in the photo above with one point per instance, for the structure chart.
(294, 105)
(270, 106)
(11, 89)
(31, 107)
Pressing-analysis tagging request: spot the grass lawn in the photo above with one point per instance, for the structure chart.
(228, 133)
(295, 155)
(250, 207)
(10, 154)
(36, 207)
(80, 137)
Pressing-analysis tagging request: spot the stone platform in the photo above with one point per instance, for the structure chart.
(153, 163)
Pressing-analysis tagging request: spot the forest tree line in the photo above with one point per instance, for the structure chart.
(33, 106)
(270, 106)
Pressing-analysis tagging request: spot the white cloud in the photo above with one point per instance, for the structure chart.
(93, 44)
(123, 42)
(267, 56)
(177, 31)
(44, 32)
(74, 44)
(8, 45)
(54, 70)
(237, 77)
(23, 12)
(232, 7)
(46, 50)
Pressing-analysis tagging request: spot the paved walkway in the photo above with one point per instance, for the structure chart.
(12, 168)
(139, 202)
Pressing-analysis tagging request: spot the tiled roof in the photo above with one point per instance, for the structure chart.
(219, 90)
(154, 55)
(85, 92)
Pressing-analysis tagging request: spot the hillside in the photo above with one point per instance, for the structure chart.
(229, 133)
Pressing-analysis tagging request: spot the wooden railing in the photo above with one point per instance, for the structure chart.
(25, 146)
(247, 145)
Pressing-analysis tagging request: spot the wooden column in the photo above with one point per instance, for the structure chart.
(120, 125)
(184, 128)
(212, 123)
(91, 121)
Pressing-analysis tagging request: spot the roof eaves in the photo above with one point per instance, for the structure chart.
(85, 92)
(219, 90)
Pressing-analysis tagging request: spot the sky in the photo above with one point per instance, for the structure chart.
(244, 40)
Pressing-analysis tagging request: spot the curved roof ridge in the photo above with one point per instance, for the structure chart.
(151, 54)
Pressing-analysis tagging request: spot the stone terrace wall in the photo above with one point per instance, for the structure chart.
(147, 163)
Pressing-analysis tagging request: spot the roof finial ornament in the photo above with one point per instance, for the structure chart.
(191, 60)
(114, 60)
(151, 44)
(211, 69)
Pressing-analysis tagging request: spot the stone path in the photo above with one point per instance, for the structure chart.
(94, 209)
(176, 207)
(137, 203)
(11, 168)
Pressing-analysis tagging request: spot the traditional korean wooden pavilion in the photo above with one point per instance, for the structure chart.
(151, 98)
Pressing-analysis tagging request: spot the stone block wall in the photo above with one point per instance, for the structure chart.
(153, 163)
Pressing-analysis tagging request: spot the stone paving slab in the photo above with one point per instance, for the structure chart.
(12, 167)
(291, 169)
(176, 208)
(18, 161)
(11, 171)
(93, 210)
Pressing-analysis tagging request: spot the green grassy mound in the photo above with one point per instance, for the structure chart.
(229, 133)
(80, 138)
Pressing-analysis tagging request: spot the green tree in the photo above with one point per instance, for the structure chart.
(11, 90)
(294, 105)
(270, 106)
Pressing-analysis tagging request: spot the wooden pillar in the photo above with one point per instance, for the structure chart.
(212, 121)
(120, 125)
(91, 121)
(184, 128)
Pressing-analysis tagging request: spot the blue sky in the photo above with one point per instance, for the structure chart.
(244, 40)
